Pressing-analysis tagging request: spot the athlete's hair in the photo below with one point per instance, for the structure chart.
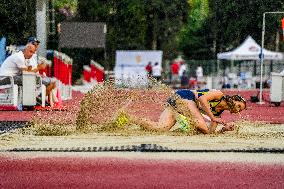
(240, 99)
(230, 101)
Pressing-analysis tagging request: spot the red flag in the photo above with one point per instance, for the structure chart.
(283, 28)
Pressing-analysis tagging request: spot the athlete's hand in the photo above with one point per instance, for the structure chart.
(228, 127)
(219, 120)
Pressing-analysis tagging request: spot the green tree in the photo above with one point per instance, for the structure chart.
(17, 20)
(70, 4)
(226, 25)
(137, 24)
(193, 36)
(236, 20)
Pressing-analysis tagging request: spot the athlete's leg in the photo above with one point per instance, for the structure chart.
(166, 121)
(189, 109)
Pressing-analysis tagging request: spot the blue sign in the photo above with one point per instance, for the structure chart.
(2, 50)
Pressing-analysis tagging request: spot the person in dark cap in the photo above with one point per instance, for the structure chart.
(33, 40)
(35, 61)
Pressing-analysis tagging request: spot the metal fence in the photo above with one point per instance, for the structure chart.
(217, 68)
(246, 74)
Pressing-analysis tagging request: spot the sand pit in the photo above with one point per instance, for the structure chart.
(246, 136)
(89, 123)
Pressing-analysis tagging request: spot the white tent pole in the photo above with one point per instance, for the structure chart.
(232, 65)
(261, 59)
(218, 66)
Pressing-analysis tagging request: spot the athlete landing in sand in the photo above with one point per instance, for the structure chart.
(193, 105)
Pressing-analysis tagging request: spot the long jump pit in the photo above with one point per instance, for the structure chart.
(84, 147)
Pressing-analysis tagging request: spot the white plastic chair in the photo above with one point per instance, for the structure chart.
(8, 91)
(11, 95)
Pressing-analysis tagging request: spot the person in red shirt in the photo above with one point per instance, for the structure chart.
(175, 76)
(149, 69)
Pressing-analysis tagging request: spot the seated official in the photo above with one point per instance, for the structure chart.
(15, 64)
(33, 62)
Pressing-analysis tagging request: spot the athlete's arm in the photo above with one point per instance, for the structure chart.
(212, 124)
(204, 102)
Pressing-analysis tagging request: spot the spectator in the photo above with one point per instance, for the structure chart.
(149, 69)
(225, 82)
(199, 77)
(47, 81)
(33, 61)
(157, 71)
(193, 83)
(174, 72)
(199, 73)
(16, 63)
(182, 69)
(184, 81)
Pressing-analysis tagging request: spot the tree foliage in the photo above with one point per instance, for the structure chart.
(197, 28)
(137, 24)
(228, 24)
(17, 20)
(193, 34)
(70, 4)
(236, 20)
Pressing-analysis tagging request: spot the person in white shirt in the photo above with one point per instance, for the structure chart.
(199, 73)
(182, 69)
(157, 71)
(35, 59)
(16, 63)
(33, 62)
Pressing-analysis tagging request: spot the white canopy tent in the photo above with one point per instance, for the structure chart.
(249, 50)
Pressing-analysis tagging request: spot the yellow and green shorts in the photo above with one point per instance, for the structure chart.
(182, 124)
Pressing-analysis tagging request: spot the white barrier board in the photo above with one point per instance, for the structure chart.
(130, 67)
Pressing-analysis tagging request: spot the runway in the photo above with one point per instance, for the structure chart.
(140, 170)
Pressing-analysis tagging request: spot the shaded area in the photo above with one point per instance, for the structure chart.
(6, 126)
(145, 148)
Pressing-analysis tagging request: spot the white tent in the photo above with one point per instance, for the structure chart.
(249, 50)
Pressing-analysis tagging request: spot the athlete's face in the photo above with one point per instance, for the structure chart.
(239, 106)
